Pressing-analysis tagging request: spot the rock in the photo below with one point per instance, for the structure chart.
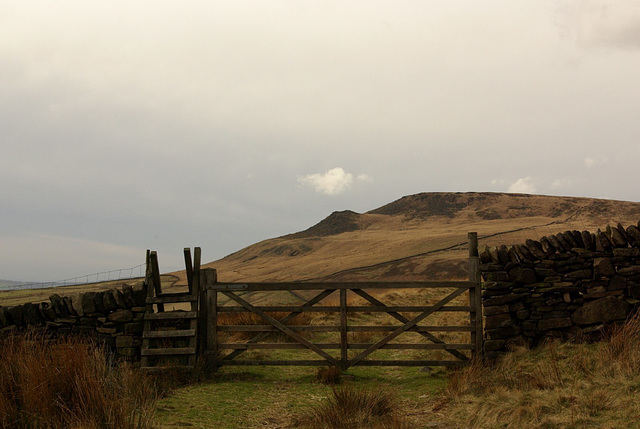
(522, 275)
(121, 316)
(5, 319)
(617, 283)
(498, 321)
(617, 239)
(602, 267)
(16, 316)
(502, 333)
(124, 341)
(89, 302)
(140, 294)
(634, 233)
(554, 323)
(566, 246)
(76, 302)
(98, 301)
(580, 274)
(524, 253)
(109, 301)
(119, 297)
(127, 293)
(568, 237)
(577, 237)
(627, 252)
(629, 271)
(505, 299)
(547, 247)
(503, 255)
(31, 314)
(484, 255)
(603, 241)
(634, 291)
(535, 248)
(498, 309)
(601, 310)
(493, 345)
(133, 328)
(588, 241)
(496, 276)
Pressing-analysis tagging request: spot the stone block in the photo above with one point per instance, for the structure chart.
(634, 291)
(617, 283)
(498, 321)
(493, 345)
(109, 302)
(505, 299)
(627, 252)
(629, 271)
(602, 310)
(522, 275)
(502, 333)
(602, 267)
(124, 341)
(133, 328)
(121, 316)
(555, 323)
(498, 309)
(127, 351)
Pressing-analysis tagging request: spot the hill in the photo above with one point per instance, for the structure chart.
(420, 236)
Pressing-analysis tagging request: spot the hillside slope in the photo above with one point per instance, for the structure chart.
(420, 236)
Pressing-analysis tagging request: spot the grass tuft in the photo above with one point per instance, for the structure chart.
(556, 385)
(329, 375)
(350, 408)
(69, 383)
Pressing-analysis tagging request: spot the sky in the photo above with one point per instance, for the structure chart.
(127, 126)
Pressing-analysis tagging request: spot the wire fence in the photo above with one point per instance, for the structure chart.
(104, 276)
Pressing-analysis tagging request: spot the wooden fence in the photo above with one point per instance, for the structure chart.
(219, 353)
(223, 338)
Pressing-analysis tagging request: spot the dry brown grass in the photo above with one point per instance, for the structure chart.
(246, 318)
(69, 383)
(351, 408)
(555, 386)
(329, 375)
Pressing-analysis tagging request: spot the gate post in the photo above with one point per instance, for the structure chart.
(209, 318)
(475, 296)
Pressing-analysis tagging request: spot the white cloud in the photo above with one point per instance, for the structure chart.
(523, 185)
(590, 161)
(333, 182)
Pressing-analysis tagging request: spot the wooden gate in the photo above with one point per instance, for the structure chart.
(223, 342)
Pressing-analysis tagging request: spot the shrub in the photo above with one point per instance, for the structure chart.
(69, 383)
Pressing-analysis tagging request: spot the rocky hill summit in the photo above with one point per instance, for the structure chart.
(417, 236)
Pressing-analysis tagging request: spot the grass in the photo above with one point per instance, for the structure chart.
(69, 383)
(555, 386)
(277, 397)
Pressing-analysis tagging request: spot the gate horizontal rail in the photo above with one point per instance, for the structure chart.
(408, 316)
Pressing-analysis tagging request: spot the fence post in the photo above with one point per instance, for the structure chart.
(343, 330)
(209, 318)
(475, 296)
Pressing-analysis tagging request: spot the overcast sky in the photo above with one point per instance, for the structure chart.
(162, 124)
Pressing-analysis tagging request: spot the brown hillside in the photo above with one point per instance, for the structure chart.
(420, 236)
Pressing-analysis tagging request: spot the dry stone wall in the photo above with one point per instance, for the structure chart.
(568, 285)
(114, 317)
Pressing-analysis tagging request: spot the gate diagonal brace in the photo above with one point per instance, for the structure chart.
(282, 328)
(316, 299)
(403, 319)
(408, 325)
